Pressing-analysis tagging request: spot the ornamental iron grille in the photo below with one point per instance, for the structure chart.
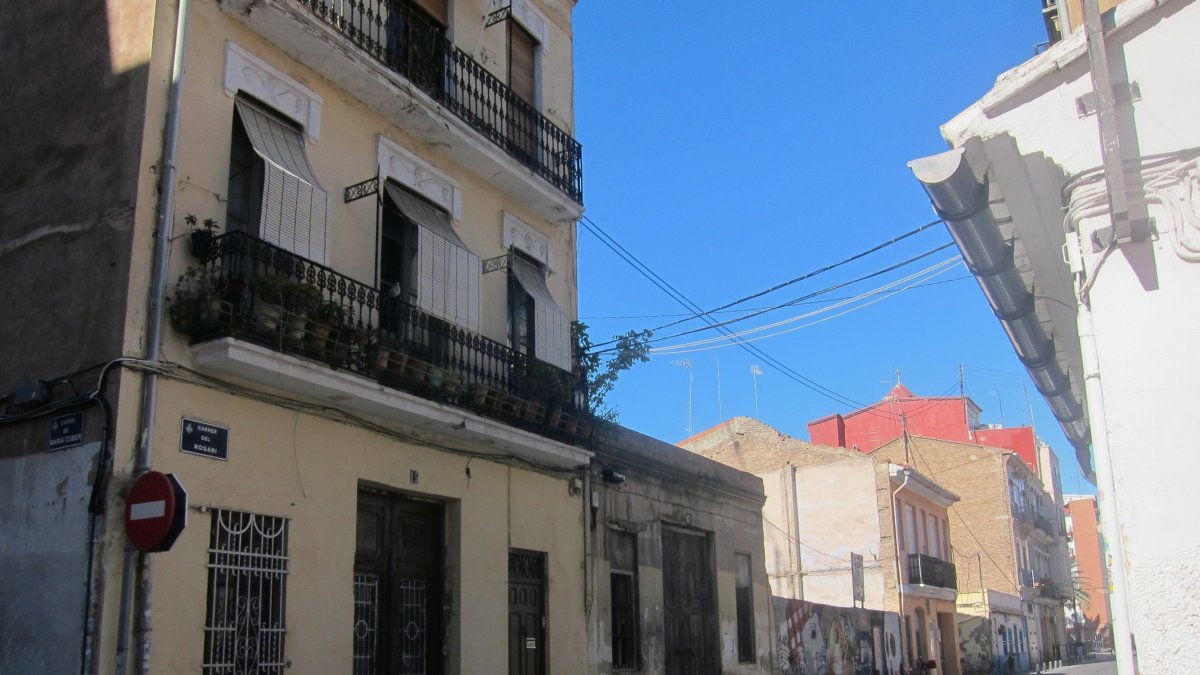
(412, 625)
(407, 40)
(247, 588)
(366, 623)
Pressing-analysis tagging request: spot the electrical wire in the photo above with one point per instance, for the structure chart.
(754, 350)
(696, 346)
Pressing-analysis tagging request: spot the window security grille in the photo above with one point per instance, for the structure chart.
(366, 623)
(247, 587)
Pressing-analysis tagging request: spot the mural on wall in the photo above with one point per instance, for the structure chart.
(975, 635)
(819, 639)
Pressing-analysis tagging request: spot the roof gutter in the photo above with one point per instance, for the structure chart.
(961, 200)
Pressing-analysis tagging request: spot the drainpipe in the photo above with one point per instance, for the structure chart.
(154, 329)
(896, 548)
(1122, 636)
(587, 542)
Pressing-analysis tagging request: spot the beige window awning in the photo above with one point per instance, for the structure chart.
(552, 327)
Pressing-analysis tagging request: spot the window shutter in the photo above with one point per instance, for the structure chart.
(437, 9)
(521, 49)
(294, 206)
(448, 274)
(551, 327)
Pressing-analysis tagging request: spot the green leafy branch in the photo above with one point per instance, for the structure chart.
(629, 350)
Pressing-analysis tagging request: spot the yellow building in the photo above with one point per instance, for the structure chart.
(317, 261)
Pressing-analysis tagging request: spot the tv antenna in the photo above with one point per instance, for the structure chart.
(687, 365)
(755, 371)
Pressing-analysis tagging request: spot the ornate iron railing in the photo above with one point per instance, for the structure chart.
(252, 290)
(1045, 524)
(930, 571)
(407, 41)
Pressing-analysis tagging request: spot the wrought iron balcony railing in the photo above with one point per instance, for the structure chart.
(407, 41)
(930, 571)
(252, 290)
(1045, 524)
(1025, 576)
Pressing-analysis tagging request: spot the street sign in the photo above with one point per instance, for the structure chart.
(155, 511)
(856, 576)
(66, 431)
(204, 439)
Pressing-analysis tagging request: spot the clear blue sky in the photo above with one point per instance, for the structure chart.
(733, 146)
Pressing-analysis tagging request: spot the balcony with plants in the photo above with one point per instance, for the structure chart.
(351, 343)
(394, 57)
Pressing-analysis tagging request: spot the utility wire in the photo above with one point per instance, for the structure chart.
(771, 361)
(754, 309)
(789, 303)
(807, 275)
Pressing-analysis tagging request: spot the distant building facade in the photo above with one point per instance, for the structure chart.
(1089, 608)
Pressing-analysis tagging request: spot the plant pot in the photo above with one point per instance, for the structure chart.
(316, 336)
(295, 328)
(378, 359)
(201, 243)
(267, 316)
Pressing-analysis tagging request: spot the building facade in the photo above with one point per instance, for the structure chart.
(825, 506)
(1084, 241)
(1005, 534)
(317, 262)
(1090, 617)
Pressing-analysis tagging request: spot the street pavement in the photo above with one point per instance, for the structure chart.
(1103, 665)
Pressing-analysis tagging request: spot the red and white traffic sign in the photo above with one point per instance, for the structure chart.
(155, 511)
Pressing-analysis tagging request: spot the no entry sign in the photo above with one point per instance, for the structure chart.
(155, 511)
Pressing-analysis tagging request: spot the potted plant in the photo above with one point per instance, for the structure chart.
(197, 302)
(347, 342)
(381, 348)
(321, 321)
(268, 301)
(202, 235)
(299, 299)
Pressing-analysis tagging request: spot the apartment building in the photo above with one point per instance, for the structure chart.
(1089, 606)
(1005, 532)
(825, 506)
(316, 261)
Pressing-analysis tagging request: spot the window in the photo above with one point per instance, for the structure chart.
(522, 80)
(421, 252)
(247, 591)
(398, 585)
(745, 609)
(935, 546)
(550, 327)
(273, 192)
(945, 540)
(900, 526)
(911, 518)
(623, 588)
(923, 533)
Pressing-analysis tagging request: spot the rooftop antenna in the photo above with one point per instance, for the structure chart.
(720, 403)
(755, 371)
(687, 365)
(1000, 402)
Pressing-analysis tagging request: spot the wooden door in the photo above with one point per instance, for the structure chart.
(689, 604)
(526, 613)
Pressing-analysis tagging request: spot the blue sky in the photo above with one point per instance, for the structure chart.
(734, 146)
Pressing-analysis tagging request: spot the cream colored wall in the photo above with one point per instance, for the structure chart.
(308, 469)
(837, 515)
(345, 154)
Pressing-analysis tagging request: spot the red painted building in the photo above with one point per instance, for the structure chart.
(951, 418)
(1087, 550)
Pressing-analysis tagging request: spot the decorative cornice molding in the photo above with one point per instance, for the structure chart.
(420, 176)
(519, 235)
(533, 20)
(246, 72)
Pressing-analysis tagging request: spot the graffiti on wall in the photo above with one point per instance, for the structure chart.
(975, 637)
(819, 639)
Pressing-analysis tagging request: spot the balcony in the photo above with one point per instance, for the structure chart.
(926, 570)
(395, 59)
(1045, 524)
(1025, 576)
(1053, 591)
(259, 312)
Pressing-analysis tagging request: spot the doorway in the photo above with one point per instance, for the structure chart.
(689, 603)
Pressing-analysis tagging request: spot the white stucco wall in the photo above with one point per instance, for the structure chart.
(1143, 297)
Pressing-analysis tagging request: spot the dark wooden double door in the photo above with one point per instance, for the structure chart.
(399, 585)
(689, 604)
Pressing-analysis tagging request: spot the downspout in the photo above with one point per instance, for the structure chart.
(1122, 636)
(154, 330)
(896, 549)
(587, 542)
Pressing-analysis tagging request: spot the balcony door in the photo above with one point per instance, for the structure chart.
(522, 80)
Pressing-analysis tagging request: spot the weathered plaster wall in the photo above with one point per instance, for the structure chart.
(666, 485)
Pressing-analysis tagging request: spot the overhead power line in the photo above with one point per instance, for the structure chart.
(676, 295)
